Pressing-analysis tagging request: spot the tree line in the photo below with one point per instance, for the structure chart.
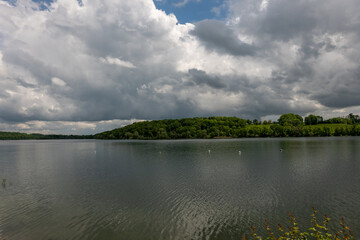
(37, 136)
(288, 125)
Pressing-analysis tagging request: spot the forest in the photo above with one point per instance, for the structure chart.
(37, 136)
(288, 125)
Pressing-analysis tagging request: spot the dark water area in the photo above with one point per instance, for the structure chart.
(89, 189)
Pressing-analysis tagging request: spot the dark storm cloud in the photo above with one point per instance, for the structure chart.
(317, 31)
(284, 20)
(217, 36)
(342, 91)
(323, 37)
(200, 77)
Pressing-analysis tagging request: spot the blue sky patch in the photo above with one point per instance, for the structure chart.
(193, 10)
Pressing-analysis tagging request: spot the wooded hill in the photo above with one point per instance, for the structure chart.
(288, 125)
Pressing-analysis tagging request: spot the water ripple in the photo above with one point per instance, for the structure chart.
(127, 190)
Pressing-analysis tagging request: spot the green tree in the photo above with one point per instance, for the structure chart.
(353, 118)
(313, 120)
(278, 130)
(290, 119)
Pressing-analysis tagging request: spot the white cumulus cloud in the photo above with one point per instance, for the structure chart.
(108, 60)
(117, 61)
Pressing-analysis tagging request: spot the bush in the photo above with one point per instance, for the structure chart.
(319, 231)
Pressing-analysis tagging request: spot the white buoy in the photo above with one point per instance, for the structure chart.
(209, 150)
(239, 152)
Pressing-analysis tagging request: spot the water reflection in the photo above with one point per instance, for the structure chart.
(128, 190)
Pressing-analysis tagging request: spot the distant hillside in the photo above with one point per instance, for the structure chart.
(177, 128)
(34, 136)
(289, 125)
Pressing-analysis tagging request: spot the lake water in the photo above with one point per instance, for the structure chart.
(90, 189)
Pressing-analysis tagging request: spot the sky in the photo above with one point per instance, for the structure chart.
(82, 67)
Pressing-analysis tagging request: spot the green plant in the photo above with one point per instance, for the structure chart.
(3, 182)
(319, 230)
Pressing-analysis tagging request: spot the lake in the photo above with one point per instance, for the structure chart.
(183, 189)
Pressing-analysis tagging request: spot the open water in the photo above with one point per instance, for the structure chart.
(188, 189)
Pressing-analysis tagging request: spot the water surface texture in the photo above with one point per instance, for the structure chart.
(91, 189)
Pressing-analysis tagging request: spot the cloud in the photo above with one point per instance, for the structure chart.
(68, 46)
(109, 60)
(65, 127)
(217, 36)
(58, 81)
(200, 77)
(183, 3)
(313, 45)
(117, 61)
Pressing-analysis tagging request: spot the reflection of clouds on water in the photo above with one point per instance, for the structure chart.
(126, 189)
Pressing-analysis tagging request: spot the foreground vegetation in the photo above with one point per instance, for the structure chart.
(288, 125)
(36, 136)
(318, 231)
